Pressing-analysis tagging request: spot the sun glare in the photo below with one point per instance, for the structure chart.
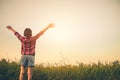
(62, 34)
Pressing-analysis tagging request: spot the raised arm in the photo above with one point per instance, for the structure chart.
(10, 28)
(44, 30)
(16, 33)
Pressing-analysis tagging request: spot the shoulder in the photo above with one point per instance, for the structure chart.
(28, 39)
(22, 38)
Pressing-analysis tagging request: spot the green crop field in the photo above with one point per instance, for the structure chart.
(109, 71)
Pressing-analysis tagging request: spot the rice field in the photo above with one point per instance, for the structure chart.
(95, 71)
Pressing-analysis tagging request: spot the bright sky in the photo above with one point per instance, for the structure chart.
(85, 30)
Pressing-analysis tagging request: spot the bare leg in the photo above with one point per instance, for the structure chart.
(22, 71)
(30, 72)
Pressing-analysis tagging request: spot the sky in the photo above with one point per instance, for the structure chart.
(85, 30)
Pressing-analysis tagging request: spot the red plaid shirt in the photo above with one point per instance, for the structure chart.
(28, 44)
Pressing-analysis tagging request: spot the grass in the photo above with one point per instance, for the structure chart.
(109, 71)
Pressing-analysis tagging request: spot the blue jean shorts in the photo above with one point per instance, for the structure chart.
(27, 60)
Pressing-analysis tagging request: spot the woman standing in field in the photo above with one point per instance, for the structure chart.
(28, 49)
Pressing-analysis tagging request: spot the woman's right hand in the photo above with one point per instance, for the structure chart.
(9, 27)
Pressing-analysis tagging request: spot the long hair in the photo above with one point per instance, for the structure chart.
(28, 32)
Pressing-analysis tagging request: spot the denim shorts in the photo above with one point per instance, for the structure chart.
(27, 60)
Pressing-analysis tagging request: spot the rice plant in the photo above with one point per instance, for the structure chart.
(95, 71)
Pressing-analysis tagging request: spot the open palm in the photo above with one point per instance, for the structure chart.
(51, 25)
(9, 27)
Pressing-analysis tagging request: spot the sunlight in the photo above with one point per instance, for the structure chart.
(62, 34)
(83, 30)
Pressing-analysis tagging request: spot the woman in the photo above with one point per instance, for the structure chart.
(28, 49)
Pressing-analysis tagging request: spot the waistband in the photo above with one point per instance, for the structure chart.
(29, 54)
